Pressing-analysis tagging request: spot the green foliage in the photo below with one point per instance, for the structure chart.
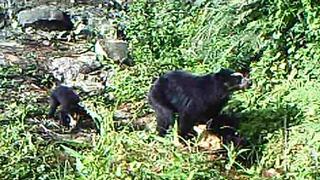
(139, 155)
(159, 31)
(276, 40)
(23, 153)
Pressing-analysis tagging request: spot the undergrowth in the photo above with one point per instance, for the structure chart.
(275, 40)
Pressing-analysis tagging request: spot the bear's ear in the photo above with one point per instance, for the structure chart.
(224, 72)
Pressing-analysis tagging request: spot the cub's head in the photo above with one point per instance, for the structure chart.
(67, 120)
(233, 80)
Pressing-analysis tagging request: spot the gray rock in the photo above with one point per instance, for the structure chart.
(2, 60)
(45, 18)
(75, 71)
(117, 50)
(122, 115)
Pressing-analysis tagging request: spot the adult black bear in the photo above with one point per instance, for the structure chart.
(69, 101)
(196, 99)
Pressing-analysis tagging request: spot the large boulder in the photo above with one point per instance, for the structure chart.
(83, 71)
(46, 18)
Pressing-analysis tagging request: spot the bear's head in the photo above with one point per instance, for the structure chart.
(233, 80)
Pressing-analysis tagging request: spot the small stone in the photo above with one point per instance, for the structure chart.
(270, 173)
(46, 43)
(2, 60)
(118, 51)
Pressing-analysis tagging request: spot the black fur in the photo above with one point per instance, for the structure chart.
(69, 101)
(196, 99)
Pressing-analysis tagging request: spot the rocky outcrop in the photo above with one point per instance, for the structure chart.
(46, 18)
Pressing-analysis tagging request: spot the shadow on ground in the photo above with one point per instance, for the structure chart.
(256, 125)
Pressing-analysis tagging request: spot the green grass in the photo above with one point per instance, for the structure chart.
(279, 114)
